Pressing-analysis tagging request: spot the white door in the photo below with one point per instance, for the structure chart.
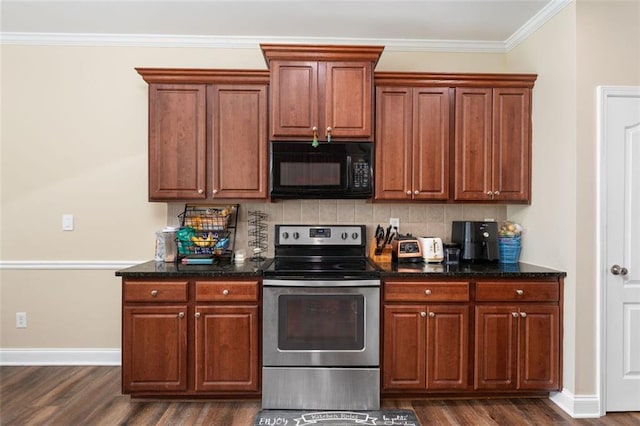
(620, 150)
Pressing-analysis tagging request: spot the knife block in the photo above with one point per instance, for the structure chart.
(384, 257)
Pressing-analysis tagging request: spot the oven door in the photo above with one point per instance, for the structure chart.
(321, 326)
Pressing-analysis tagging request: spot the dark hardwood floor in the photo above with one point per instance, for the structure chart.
(91, 396)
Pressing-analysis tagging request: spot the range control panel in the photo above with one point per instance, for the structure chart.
(311, 235)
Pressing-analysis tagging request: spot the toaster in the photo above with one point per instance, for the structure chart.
(406, 248)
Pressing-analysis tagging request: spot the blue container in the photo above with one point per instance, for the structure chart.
(509, 248)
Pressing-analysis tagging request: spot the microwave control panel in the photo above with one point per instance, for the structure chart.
(361, 175)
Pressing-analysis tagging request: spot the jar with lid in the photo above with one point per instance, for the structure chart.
(166, 245)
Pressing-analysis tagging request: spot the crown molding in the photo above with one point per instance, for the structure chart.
(537, 21)
(245, 42)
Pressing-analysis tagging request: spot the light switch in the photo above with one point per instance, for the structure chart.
(67, 222)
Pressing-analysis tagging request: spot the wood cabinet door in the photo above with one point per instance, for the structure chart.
(431, 141)
(393, 143)
(154, 348)
(447, 347)
(495, 347)
(539, 358)
(177, 142)
(348, 100)
(511, 144)
(227, 352)
(238, 131)
(294, 98)
(473, 132)
(404, 353)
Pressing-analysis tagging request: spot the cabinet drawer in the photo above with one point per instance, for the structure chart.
(398, 291)
(531, 291)
(223, 291)
(155, 291)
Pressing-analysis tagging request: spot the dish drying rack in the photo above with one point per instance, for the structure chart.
(207, 233)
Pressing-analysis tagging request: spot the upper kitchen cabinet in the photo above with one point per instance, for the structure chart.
(493, 142)
(177, 141)
(323, 92)
(413, 138)
(207, 134)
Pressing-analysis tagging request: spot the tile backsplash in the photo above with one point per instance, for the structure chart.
(432, 220)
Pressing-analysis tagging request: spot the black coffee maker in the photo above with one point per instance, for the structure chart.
(478, 240)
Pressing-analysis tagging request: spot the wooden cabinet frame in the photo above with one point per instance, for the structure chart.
(207, 134)
(191, 337)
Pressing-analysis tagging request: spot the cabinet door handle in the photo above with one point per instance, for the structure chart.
(514, 314)
(197, 315)
(409, 192)
(225, 291)
(496, 193)
(181, 315)
(519, 292)
(329, 129)
(489, 193)
(432, 314)
(427, 292)
(214, 192)
(154, 293)
(523, 314)
(416, 192)
(423, 314)
(200, 191)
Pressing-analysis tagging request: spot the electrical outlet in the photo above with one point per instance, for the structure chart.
(395, 223)
(21, 320)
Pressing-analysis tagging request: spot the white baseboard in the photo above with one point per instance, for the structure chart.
(64, 356)
(577, 406)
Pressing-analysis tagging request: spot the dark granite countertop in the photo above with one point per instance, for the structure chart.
(467, 270)
(153, 269)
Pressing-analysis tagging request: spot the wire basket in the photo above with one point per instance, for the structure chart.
(205, 231)
(509, 248)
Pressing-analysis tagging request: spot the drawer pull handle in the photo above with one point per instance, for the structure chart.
(154, 293)
(514, 314)
(197, 315)
(423, 314)
(432, 314)
(523, 314)
(225, 291)
(181, 315)
(519, 292)
(427, 292)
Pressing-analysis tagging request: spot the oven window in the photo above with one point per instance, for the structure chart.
(321, 322)
(309, 174)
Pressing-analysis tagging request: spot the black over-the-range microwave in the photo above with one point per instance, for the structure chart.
(329, 170)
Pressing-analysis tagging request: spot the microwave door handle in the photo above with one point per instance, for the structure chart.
(349, 172)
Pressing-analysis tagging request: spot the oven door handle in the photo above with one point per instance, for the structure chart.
(320, 283)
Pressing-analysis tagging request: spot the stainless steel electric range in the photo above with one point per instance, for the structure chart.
(321, 309)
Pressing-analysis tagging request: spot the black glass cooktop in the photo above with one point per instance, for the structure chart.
(338, 267)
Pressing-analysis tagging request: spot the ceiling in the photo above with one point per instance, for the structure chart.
(399, 22)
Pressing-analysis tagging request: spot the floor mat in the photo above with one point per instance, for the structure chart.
(336, 418)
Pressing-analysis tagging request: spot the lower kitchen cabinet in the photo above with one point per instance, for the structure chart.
(154, 349)
(182, 338)
(426, 346)
(226, 348)
(472, 338)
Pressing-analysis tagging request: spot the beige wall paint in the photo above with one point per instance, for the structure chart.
(589, 43)
(550, 220)
(74, 140)
(608, 53)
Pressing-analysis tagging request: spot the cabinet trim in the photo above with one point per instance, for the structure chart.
(310, 52)
(454, 79)
(203, 76)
